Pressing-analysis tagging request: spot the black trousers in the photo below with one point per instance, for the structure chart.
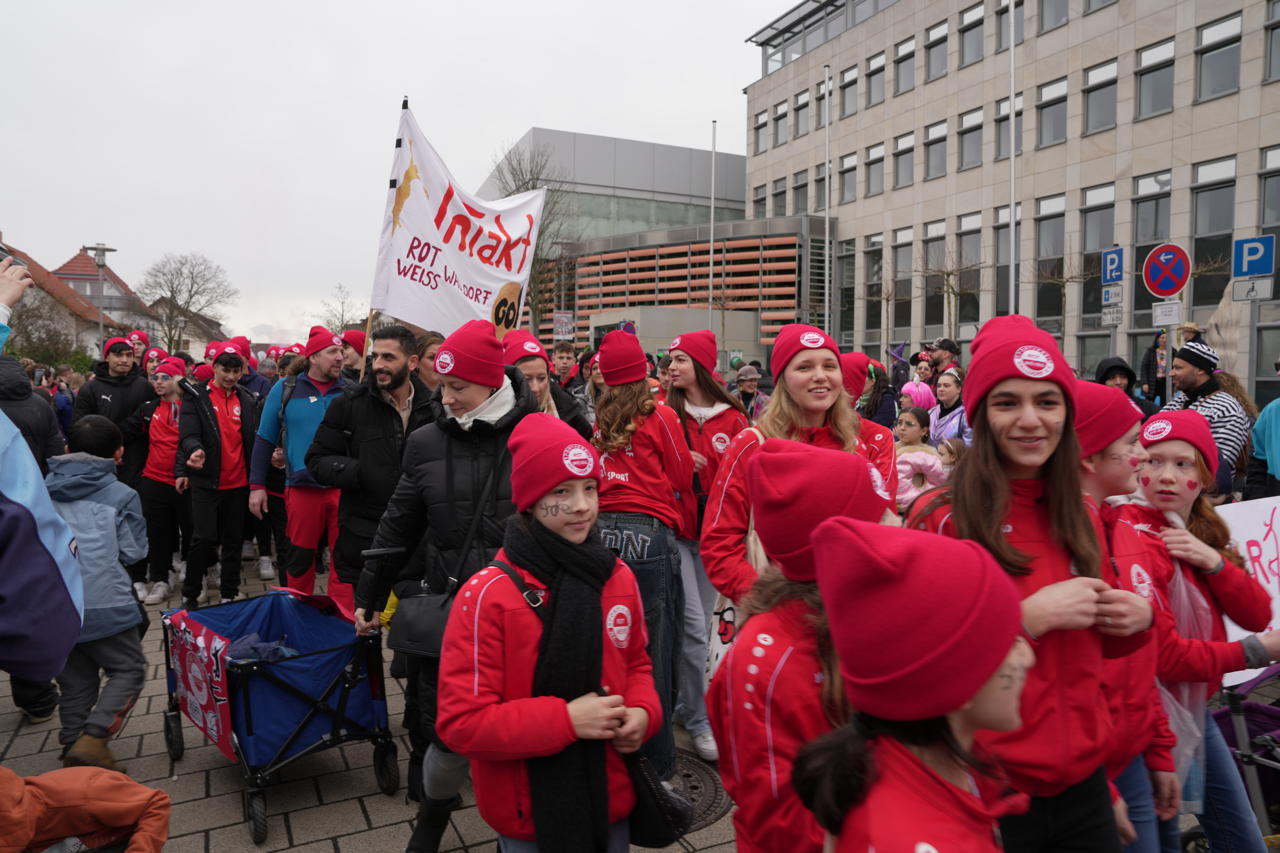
(218, 519)
(37, 698)
(1078, 820)
(271, 528)
(168, 516)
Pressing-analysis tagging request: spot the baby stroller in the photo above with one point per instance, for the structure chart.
(304, 684)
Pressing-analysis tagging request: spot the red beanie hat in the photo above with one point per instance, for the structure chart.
(853, 366)
(794, 486)
(137, 335)
(320, 339)
(519, 344)
(473, 354)
(939, 628)
(172, 367)
(794, 338)
(203, 372)
(296, 349)
(241, 343)
(622, 358)
(111, 342)
(699, 346)
(154, 352)
(253, 363)
(273, 352)
(354, 339)
(1104, 414)
(211, 350)
(1012, 347)
(1183, 425)
(545, 451)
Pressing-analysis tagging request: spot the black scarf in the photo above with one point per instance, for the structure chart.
(944, 410)
(569, 790)
(1204, 389)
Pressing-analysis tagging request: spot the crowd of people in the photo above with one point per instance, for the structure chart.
(588, 515)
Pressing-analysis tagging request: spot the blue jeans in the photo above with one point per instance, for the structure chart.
(1228, 819)
(691, 665)
(619, 841)
(1134, 784)
(649, 547)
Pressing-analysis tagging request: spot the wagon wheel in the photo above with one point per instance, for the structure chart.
(386, 769)
(173, 735)
(255, 812)
(1194, 841)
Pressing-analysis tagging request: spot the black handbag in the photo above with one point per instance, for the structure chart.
(661, 815)
(417, 628)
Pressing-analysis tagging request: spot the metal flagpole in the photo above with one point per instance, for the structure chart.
(826, 202)
(711, 238)
(1013, 156)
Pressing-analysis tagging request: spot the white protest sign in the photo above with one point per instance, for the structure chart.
(446, 257)
(1254, 530)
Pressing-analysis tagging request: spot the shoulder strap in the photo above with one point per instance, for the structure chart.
(477, 512)
(530, 597)
(286, 394)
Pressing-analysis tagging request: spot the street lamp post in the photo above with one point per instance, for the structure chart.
(100, 258)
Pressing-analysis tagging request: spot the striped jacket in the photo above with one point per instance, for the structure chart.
(1227, 421)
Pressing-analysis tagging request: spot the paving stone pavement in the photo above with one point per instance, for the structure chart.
(326, 803)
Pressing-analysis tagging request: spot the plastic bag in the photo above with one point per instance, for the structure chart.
(1185, 702)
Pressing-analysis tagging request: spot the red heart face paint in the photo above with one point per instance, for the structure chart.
(1192, 485)
(1146, 481)
(1133, 462)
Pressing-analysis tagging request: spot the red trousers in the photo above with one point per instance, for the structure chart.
(313, 518)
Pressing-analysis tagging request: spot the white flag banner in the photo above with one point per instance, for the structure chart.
(1255, 530)
(446, 257)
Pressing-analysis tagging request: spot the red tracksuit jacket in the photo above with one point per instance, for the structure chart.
(764, 703)
(711, 439)
(911, 809)
(486, 710)
(724, 530)
(653, 473)
(1066, 727)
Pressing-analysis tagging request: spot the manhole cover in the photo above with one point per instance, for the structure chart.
(701, 785)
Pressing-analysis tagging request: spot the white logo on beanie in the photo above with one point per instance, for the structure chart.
(577, 458)
(530, 346)
(720, 442)
(444, 361)
(676, 342)
(1033, 361)
(1157, 430)
(618, 625)
(1141, 581)
(812, 340)
(337, 341)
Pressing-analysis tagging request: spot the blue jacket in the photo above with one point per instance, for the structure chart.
(302, 415)
(254, 381)
(41, 593)
(106, 517)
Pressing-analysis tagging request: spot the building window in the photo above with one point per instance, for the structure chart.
(1273, 40)
(800, 193)
(846, 286)
(969, 265)
(1100, 97)
(1002, 25)
(821, 114)
(873, 274)
(1150, 229)
(759, 202)
(848, 91)
(762, 132)
(848, 178)
(1095, 5)
(1213, 214)
(970, 140)
(780, 197)
(904, 67)
(820, 187)
(1002, 126)
(903, 160)
(1050, 273)
(875, 80)
(1003, 294)
(800, 119)
(935, 150)
(935, 52)
(937, 273)
(1051, 114)
(875, 170)
(1271, 194)
(971, 35)
(1053, 14)
(1155, 79)
(779, 124)
(902, 276)
(1098, 222)
(1218, 59)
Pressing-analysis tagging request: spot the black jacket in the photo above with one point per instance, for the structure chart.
(1108, 367)
(34, 417)
(115, 398)
(358, 448)
(570, 410)
(198, 429)
(444, 473)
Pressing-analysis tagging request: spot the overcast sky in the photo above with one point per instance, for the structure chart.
(260, 133)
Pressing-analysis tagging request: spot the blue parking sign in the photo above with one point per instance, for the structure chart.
(1113, 266)
(1253, 256)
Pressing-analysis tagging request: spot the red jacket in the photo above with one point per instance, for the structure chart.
(1066, 727)
(724, 530)
(485, 707)
(652, 473)
(97, 806)
(1141, 726)
(764, 703)
(1231, 592)
(911, 809)
(162, 442)
(711, 439)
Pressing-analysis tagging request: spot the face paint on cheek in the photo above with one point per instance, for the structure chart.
(1133, 462)
(1192, 485)
(1146, 481)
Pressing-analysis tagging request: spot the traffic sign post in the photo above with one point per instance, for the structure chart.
(1111, 315)
(1253, 257)
(1166, 270)
(1252, 289)
(1166, 315)
(1112, 294)
(1113, 266)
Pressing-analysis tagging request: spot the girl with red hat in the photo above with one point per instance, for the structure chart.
(1198, 578)
(809, 404)
(778, 687)
(544, 709)
(710, 417)
(1017, 493)
(647, 472)
(908, 773)
(523, 350)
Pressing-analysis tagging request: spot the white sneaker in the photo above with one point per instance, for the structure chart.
(140, 591)
(159, 594)
(213, 577)
(247, 551)
(266, 571)
(180, 569)
(207, 596)
(240, 596)
(705, 745)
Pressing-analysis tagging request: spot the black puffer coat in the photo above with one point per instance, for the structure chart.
(115, 398)
(33, 416)
(570, 410)
(444, 474)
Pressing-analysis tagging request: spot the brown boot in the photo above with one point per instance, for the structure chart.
(90, 751)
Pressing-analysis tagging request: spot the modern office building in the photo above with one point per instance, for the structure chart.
(1135, 121)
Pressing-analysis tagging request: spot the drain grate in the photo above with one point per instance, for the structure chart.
(700, 783)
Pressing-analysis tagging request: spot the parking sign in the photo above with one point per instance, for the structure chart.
(1253, 256)
(1113, 266)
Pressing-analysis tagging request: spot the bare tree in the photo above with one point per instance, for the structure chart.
(946, 273)
(179, 286)
(42, 329)
(343, 310)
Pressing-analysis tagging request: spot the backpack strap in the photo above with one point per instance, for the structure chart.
(530, 597)
(286, 394)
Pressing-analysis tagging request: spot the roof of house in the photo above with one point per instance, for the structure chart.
(208, 325)
(83, 267)
(51, 284)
